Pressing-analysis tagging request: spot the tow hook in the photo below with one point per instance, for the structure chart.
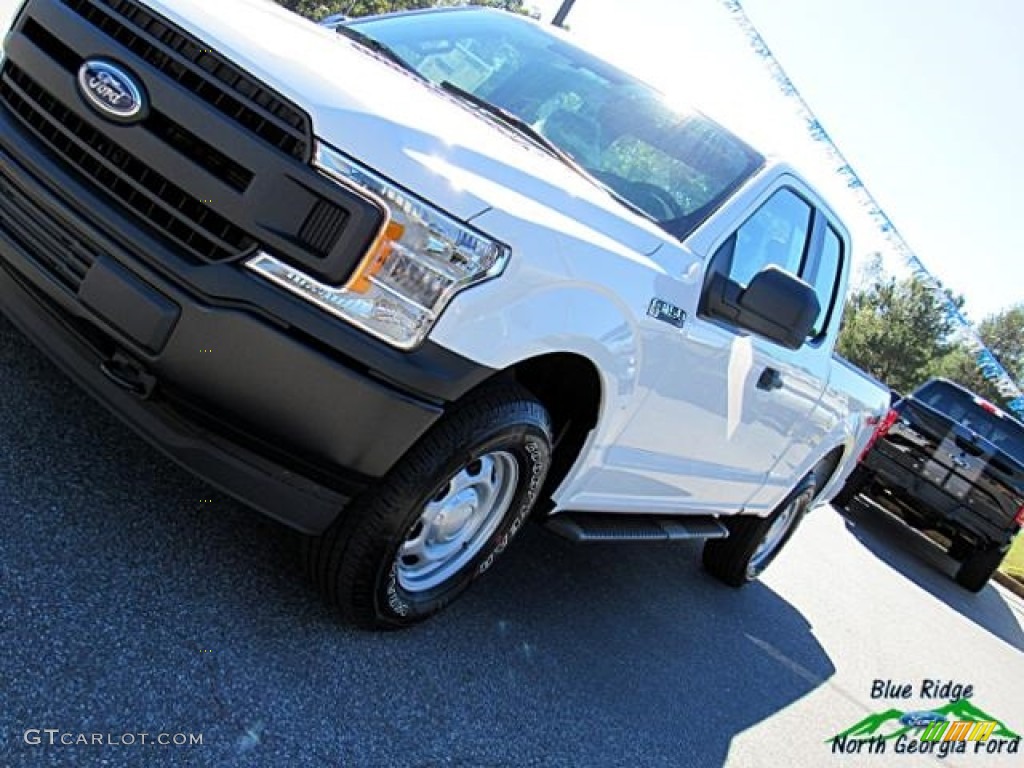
(129, 375)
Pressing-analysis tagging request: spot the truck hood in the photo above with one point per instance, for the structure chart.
(412, 133)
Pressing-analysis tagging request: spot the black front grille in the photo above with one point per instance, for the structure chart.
(181, 139)
(174, 212)
(65, 255)
(205, 73)
(210, 167)
(162, 127)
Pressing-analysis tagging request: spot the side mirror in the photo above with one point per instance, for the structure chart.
(333, 21)
(777, 305)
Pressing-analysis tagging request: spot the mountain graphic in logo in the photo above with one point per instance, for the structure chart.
(887, 724)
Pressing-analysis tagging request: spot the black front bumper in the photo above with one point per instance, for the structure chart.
(289, 411)
(122, 250)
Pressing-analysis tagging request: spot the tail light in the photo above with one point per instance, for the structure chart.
(884, 425)
(1019, 519)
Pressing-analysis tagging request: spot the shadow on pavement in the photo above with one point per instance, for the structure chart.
(928, 566)
(140, 600)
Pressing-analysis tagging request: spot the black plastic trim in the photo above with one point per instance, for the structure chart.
(278, 419)
(430, 372)
(275, 491)
(271, 207)
(186, 59)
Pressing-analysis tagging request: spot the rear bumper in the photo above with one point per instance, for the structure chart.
(237, 386)
(929, 504)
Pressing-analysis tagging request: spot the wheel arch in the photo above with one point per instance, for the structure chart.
(577, 346)
(828, 469)
(569, 386)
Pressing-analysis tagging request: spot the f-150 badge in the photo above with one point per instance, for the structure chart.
(660, 309)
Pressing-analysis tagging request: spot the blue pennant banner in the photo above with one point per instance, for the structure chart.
(986, 361)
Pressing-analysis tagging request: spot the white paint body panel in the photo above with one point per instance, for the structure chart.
(384, 117)
(682, 427)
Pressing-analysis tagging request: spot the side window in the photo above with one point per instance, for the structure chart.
(825, 279)
(786, 231)
(775, 234)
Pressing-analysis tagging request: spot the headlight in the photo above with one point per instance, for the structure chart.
(419, 261)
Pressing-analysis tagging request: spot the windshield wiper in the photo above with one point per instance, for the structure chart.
(517, 123)
(376, 46)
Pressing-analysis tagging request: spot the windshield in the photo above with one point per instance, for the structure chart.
(675, 166)
(999, 429)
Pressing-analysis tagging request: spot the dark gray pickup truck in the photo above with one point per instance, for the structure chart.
(949, 462)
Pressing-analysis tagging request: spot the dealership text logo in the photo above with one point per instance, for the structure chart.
(956, 727)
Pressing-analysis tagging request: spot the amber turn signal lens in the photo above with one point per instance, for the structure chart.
(377, 257)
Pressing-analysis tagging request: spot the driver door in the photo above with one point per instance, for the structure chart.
(726, 405)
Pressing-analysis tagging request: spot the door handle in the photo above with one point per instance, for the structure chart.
(769, 379)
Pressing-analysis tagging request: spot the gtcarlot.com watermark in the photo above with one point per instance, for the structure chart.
(55, 737)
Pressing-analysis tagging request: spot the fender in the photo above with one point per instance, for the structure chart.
(571, 289)
(506, 322)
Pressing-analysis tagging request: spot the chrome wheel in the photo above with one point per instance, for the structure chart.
(454, 525)
(775, 536)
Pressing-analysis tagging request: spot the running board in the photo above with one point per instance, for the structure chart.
(593, 526)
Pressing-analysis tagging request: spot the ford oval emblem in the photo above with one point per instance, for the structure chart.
(112, 91)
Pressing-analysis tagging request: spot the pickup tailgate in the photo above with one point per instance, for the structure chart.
(982, 485)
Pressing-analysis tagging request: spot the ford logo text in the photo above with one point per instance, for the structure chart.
(111, 91)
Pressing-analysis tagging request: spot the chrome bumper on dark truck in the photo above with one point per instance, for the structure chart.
(121, 257)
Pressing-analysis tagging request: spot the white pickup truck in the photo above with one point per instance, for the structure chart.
(407, 283)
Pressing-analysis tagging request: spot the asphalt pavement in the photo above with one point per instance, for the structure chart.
(133, 599)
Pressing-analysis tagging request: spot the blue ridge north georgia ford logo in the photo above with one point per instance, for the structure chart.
(111, 90)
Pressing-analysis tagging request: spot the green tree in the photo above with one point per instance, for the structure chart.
(317, 9)
(897, 330)
(959, 365)
(1003, 334)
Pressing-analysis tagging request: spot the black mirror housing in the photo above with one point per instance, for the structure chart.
(780, 306)
(777, 305)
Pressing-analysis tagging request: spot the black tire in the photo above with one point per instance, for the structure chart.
(977, 568)
(357, 563)
(730, 560)
(855, 484)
